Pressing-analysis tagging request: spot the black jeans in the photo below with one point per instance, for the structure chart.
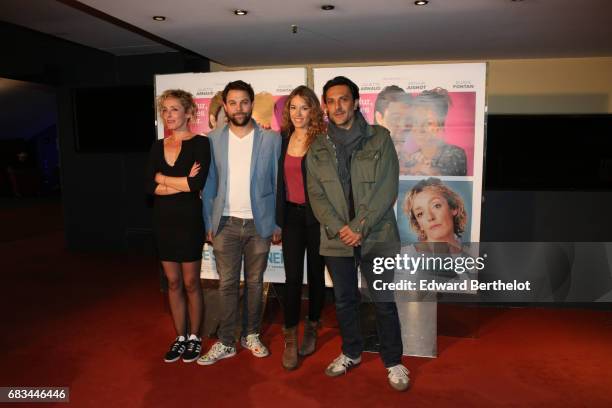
(343, 271)
(297, 238)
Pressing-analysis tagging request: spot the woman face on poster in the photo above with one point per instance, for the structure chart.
(436, 213)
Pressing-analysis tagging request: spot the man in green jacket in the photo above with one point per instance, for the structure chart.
(352, 180)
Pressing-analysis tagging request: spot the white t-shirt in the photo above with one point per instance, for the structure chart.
(238, 195)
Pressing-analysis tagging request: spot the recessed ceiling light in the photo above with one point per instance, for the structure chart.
(159, 18)
(328, 7)
(421, 2)
(240, 12)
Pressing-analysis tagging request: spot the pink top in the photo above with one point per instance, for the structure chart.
(294, 181)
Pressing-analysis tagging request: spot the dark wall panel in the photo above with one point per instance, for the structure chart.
(104, 204)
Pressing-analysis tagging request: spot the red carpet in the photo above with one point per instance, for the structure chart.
(98, 324)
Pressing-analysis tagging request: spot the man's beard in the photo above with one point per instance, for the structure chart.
(243, 121)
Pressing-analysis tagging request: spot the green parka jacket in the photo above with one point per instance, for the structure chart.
(374, 180)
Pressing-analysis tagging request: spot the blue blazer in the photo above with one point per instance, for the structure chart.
(264, 163)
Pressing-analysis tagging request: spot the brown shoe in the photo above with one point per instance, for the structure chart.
(310, 337)
(290, 355)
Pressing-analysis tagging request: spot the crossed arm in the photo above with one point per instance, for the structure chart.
(167, 185)
(160, 184)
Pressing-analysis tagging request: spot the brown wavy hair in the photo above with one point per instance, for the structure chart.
(317, 124)
(454, 200)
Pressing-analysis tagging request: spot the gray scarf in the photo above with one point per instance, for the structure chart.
(346, 142)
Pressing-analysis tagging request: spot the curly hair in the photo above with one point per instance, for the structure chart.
(317, 124)
(185, 99)
(454, 200)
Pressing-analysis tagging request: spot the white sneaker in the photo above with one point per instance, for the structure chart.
(253, 343)
(341, 365)
(398, 377)
(217, 352)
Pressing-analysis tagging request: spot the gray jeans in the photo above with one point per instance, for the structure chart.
(237, 238)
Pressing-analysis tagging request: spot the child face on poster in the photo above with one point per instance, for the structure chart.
(436, 213)
(426, 136)
(392, 111)
(429, 116)
(426, 129)
(397, 120)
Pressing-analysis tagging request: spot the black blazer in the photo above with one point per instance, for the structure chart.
(281, 194)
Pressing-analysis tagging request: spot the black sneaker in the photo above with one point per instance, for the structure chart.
(176, 351)
(194, 348)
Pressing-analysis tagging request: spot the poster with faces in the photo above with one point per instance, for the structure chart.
(435, 115)
(271, 88)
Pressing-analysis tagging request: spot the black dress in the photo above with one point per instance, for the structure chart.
(177, 219)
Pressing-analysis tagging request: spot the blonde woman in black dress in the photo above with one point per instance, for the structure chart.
(177, 171)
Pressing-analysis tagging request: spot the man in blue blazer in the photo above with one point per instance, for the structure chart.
(239, 214)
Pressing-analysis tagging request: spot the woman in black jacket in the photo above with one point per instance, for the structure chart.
(302, 121)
